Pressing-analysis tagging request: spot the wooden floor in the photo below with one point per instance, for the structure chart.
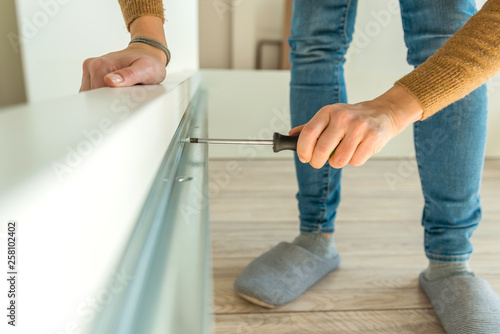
(378, 235)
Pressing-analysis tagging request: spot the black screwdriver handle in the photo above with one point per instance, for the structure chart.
(282, 142)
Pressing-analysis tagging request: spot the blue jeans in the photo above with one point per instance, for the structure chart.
(449, 145)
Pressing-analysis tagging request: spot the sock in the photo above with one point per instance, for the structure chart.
(438, 269)
(287, 270)
(463, 302)
(317, 244)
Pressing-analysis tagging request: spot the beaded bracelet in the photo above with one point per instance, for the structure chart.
(154, 43)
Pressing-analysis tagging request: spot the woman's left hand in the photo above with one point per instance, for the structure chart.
(139, 63)
(355, 131)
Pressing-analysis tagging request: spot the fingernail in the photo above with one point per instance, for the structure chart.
(302, 160)
(115, 78)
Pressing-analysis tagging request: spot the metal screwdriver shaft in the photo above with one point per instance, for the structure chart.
(229, 141)
(279, 142)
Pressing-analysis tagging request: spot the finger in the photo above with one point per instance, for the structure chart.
(366, 149)
(364, 152)
(97, 68)
(325, 145)
(140, 72)
(85, 81)
(97, 79)
(85, 75)
(344, 151)
(310, 134)
(296, 130)
(358, 131)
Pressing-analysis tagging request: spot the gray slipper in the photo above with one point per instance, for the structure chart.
(282, 274)
(465, 304)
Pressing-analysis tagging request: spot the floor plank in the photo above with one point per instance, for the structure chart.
(362, 322)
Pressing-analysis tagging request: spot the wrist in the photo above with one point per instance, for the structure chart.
(150, 27)
(405, 107)
(155, 44)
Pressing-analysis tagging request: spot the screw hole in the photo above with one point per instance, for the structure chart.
(184, 178)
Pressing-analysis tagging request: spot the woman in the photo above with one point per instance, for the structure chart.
(449, 145)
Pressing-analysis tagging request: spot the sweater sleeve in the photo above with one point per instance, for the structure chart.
(466, 61)
(132, 9)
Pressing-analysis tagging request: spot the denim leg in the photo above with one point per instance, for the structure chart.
(321, 32)
(449, 145)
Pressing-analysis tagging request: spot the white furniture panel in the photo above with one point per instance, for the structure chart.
(75, 174)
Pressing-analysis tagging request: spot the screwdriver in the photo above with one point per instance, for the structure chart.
(279, 142)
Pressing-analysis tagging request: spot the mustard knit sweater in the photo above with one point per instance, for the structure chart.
(466, 61)
(132, 9)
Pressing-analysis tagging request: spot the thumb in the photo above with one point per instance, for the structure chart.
(137, 73)
(296, 130)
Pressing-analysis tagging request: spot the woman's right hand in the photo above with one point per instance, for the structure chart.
(354, 132)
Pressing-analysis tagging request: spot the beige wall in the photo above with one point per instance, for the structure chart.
(11, 73)
(231, 29)
(215, 34)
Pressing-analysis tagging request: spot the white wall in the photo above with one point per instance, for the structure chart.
(246, 104)
(58, 35)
